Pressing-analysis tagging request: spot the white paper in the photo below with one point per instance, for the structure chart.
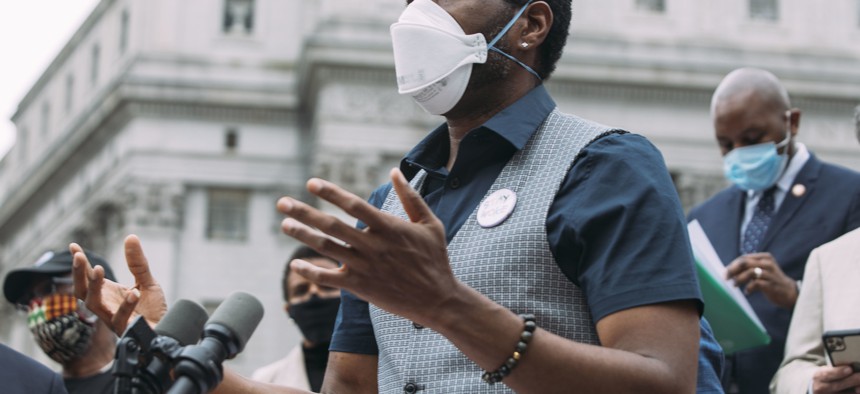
(706, 254)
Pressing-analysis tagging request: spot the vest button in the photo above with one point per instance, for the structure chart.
(455, 182)
(417, 326)
(410, 388)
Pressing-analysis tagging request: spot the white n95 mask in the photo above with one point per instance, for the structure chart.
(433, 56)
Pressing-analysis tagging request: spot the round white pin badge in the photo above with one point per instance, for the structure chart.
(798, 190)
(496, 208)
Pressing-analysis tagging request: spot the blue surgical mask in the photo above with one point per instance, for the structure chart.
(756, 167)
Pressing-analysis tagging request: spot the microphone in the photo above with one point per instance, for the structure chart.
(180, 326)
(183, 322)
(198, 369)
(144, 356)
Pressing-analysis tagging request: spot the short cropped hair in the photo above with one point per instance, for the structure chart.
(303, 252)
(553, 46)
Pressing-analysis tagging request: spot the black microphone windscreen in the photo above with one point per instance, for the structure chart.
(183, 322)
(240, 313)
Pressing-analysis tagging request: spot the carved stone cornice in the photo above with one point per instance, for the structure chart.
(87, 137)
(153, 204)
(357, 172)
(366, 103)
(572, 87)
(701, 64)
(212, 112)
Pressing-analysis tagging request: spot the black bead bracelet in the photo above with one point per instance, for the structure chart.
(529, 327)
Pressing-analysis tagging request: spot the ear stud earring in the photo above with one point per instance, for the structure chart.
(524, 45)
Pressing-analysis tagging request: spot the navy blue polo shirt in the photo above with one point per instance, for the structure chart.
(616, 227)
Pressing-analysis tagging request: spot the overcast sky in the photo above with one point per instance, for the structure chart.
(31, 35)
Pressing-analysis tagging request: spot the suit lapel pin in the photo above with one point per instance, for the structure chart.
(496, 208)
(798, 190)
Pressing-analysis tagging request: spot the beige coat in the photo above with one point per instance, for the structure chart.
(288, 371)
(828, 300)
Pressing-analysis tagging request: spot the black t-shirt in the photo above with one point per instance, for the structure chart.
(101, 383)
(316, 359)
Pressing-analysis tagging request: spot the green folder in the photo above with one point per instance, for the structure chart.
(736, 325)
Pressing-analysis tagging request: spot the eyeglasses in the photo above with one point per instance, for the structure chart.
(43, 287)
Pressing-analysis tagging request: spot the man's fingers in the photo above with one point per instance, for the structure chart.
(137, 263)
(754, 286)
(120, 319)
(80, 272)
(759, 256)
(413, 204)
(743, 278)
(832, 374)
(755, 274)
(317, 240)
(75, 248)
(853, 381)
(353, 205)
(737, 267)
(325, 223)
(93, 299)
(836, 379)
(332, 277)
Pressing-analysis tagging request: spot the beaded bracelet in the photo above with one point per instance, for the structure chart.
(529, 327)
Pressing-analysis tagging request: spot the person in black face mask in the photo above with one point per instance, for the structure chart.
(314, 309)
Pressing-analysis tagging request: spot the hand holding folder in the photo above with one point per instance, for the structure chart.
(736, 325)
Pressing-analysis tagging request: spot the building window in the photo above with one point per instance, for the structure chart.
(231, 139)
(46, 119)
(70, 91)
(764, 10)
(227, 216)
(123, 33)
(94, 67)
(656, 6)
(109, 219)
(238, 17)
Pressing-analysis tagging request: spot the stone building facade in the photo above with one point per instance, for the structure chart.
(184, 121)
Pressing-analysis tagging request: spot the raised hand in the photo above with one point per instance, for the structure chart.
(761, 272)
(400, 266)
(112, 302)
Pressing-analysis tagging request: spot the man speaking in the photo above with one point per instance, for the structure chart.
(517, 248)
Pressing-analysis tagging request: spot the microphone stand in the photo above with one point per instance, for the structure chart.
(198, 368)
(145, 357)
(144, 360)
(131, 353)
(125, 364)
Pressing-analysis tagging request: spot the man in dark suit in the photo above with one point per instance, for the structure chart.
(22, 375)
(783, 203)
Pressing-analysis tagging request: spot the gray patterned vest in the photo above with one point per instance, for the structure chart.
(511, 264)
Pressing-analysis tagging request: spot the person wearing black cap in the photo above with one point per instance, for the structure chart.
(62, 326)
